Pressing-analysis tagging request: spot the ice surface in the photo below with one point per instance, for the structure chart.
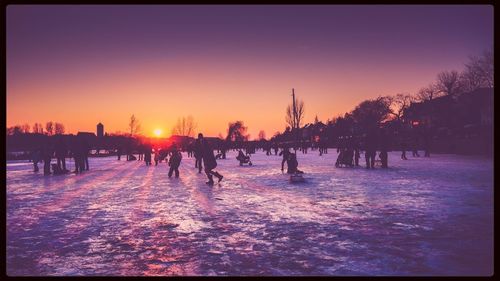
(423, 216)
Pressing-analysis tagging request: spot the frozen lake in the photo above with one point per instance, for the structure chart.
(423, 216)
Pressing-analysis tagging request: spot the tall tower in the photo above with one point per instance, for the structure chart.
(100, 130)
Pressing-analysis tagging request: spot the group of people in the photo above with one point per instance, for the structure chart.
(349, 153)
(58, 148)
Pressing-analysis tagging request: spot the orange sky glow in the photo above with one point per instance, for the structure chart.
(219, 69)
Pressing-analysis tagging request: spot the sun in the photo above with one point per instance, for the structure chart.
(157, 132)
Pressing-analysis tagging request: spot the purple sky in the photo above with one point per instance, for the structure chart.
(225, 63)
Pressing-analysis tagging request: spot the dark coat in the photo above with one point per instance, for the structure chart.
(208, 156)
(175, 159)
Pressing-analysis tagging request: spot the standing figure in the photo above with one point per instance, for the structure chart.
(198, 154)
(209, 160)
(370, 151)
(61, 152)
(157, 156)
(147, 155)
(47, 156)
(403, 150)
(174, 162)
(384, 157)
(119, 152)
(36, 156)
(85, 153)
(77, 151)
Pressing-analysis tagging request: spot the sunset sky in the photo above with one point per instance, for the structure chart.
(81, 65)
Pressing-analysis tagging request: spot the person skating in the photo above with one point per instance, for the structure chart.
(174, 162)
(285, 152)
(292, 164)
(208, 160)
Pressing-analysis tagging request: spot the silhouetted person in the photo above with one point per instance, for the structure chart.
(356, 152)
(427, 145)
(403, 150)
(36, 156)
(147, 156)
(119, 152)
(77, 151)
(370, 150)
(47, 156)
(157, 156)
(209, 160)
(292, 164)
(85, 153)
(198, 155)
(61, 153)
(383, 157)
(243, 158)
(285, 152)
(174, 162)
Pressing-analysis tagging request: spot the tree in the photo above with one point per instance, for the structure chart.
(299, 109)
(49, 127)
(14, 130)
(37, 128)
(184, 127)
(478, 72)
(25, 128)
(371, 113)
(428, 93)
(59, 128)
(262, 135)
(134, 125)
(237, 132)
(398, 104)
(448, 83)
(316, 120)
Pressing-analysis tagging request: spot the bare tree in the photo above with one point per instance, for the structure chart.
(262, 135)
(25, 128)
(398, 104)
(428, 93)
(185, 126)
(295, 121)
(49, 127)
(448, 83)
(14, 130)
(134, 125)
(59, 128)
(478, 72)
(37, 128)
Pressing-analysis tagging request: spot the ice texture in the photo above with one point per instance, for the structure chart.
(423, 216)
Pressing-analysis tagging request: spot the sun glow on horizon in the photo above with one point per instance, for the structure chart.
(157, 132)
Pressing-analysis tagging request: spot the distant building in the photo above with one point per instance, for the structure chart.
(100, 130)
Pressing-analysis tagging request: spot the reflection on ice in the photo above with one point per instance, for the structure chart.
(420, 217)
